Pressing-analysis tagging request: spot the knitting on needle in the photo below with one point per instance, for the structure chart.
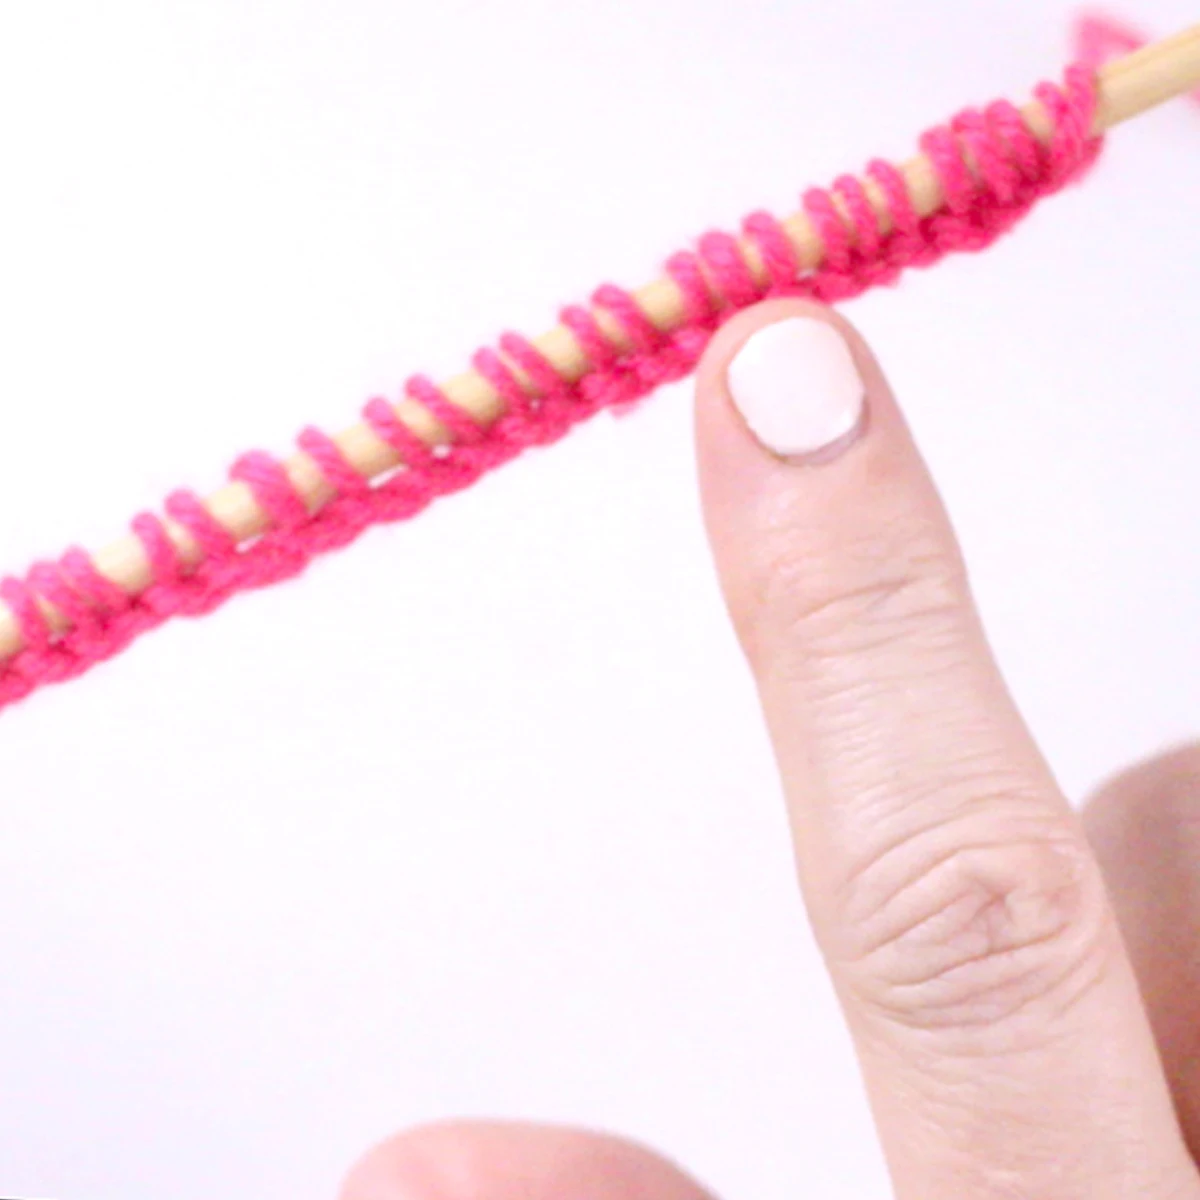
(1125, 88)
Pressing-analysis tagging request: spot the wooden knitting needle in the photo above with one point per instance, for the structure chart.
(1127, 87)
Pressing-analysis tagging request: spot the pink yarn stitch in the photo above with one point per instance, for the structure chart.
(1012, 172)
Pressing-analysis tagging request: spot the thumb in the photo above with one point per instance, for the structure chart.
(510, 1160)
(963, 918)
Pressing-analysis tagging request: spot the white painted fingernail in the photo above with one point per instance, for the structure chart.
(797, 386)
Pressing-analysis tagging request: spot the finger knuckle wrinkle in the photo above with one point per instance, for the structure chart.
(879, 601)
(977, 934)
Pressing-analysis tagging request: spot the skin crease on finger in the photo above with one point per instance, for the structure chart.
(1145, 827)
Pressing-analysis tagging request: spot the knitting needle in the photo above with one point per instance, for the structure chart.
(1126, 88)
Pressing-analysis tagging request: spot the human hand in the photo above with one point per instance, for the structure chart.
(1012, 1042)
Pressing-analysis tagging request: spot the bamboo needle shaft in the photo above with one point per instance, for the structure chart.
(1127, 88)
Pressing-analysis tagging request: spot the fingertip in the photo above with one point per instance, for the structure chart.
(1144, 824)
(398, 1168)
(1170, 780)
(787, 379)
(726, 341)
(501, 1160)
(810, 481)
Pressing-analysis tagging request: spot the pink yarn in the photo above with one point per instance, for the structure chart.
(1013, 171)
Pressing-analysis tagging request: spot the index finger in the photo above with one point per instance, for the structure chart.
(996, 1016)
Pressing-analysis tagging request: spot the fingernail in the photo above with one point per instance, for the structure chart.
(797, 387)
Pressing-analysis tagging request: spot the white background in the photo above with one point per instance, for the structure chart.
(479, 817)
